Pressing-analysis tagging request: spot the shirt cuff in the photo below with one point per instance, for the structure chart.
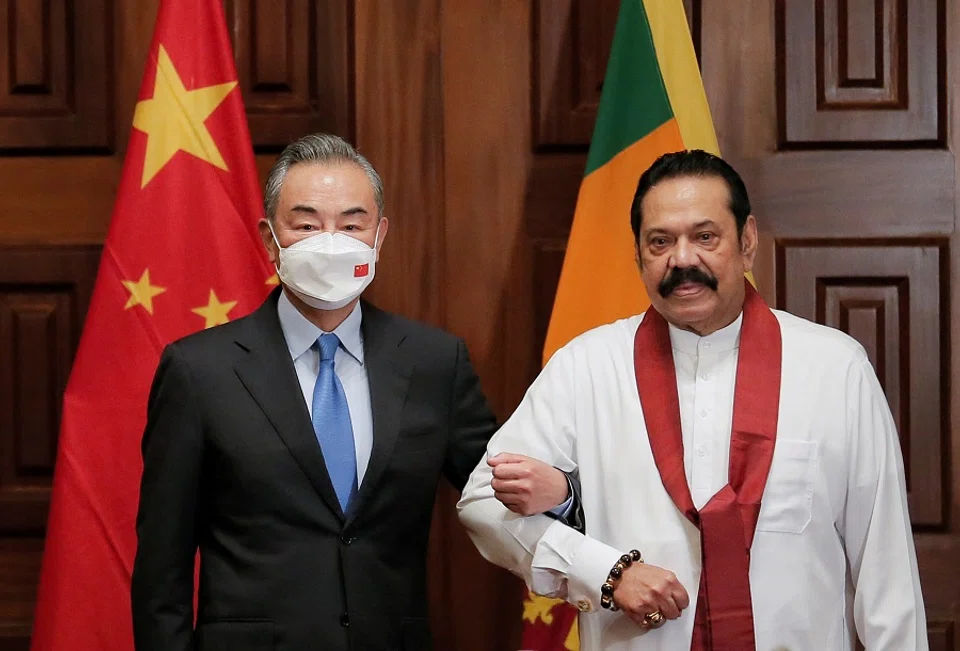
(566, 563)
(563, 510)
(586, 562)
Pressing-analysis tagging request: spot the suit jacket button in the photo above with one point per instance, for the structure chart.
(344, 620)
(346, 540)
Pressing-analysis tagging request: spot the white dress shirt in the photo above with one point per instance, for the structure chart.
(301, 336)
(706, 375)
(833, 555)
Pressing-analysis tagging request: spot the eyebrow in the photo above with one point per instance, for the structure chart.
(310, 210)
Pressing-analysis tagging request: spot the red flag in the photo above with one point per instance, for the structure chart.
(182, 254)
(548, 624)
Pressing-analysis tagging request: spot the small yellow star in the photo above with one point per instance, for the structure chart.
(214, 311)
(142, 292)
(536, 607)
(273, 280)
(174, 119)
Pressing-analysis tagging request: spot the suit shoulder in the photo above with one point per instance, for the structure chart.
(212, 340)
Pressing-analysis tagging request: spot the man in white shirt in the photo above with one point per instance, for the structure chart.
(678, 421)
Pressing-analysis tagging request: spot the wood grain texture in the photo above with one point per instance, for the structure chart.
(44, 293)
(55, 91)
(400, 129)
(295, 67)
(901, 102)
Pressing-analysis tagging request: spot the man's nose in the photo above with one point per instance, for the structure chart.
(685, 254)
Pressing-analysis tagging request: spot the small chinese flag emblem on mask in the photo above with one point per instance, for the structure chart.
(361, 270)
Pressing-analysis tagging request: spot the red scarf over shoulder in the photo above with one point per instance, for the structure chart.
(724, 615)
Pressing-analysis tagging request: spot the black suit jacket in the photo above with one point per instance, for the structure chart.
(232, 467)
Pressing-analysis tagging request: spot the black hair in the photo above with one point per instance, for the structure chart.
(696, 163)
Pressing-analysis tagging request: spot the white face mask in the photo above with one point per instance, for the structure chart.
(328, 270)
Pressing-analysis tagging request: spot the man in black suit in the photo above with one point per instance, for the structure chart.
(299, 448)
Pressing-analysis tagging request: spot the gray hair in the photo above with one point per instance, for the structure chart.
(318, 148)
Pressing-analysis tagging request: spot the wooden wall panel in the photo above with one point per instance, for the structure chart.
(400, 129)
(855, 73)
(573, 40)
(892, 296)
(44, 294)
(941, 635)
(848, 186)
(55, 91)
(295, 67)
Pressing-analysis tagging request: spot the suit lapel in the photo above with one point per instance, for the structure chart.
(268, 374)
(388, 373)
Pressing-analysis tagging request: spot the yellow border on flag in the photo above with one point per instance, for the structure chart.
(681, 74)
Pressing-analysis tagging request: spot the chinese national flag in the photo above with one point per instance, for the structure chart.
(182, 254)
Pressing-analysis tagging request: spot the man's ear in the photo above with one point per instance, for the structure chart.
(267, 236)
(749, 241)
(383, 225)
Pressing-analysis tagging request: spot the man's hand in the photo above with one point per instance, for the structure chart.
(527, 486)
(645, 589)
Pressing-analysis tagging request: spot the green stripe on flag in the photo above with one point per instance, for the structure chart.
(634, 100)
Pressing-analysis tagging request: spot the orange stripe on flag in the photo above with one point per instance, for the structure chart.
(600, 282)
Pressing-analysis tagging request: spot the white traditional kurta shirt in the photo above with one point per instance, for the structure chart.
(833, 554)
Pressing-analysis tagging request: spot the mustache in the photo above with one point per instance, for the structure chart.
(681, 275)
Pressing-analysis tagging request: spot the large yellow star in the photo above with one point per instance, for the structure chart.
(215, 312)
(273, 280)
(174, 119)
(142, 292)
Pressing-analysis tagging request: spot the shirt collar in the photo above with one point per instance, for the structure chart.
(301, 334)
(724, 339)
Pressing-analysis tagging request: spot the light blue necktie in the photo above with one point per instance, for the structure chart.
(331, 422)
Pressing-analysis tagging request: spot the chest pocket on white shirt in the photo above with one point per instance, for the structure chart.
(788, 496)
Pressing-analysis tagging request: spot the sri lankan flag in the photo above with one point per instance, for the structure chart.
(652, 103)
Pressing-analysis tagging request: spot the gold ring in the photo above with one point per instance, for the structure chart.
(654, 619)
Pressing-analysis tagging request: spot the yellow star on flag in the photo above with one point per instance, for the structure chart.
(273, 280)
(215, 312)
(174, 119)
(142, 292)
